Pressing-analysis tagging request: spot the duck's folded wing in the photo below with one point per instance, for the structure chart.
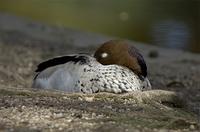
(60, 72)
(61, 60)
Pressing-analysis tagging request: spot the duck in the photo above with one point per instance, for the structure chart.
(115, 67)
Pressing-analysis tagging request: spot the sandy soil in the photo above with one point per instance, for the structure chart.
(23, 44)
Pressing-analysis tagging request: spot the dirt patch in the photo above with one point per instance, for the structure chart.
(44, 110)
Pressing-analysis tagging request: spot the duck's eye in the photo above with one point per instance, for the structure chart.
(104, 55)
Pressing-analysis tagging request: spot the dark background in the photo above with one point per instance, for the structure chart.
(169, 23)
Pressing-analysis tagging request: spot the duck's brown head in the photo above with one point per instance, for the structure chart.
(120, 53)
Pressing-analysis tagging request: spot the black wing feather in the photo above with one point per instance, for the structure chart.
(61, 60)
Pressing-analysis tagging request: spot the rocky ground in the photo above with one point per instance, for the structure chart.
(173, 105)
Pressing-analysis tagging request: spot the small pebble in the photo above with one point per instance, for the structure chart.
(192, 127)
(153, 54)
(59, 115)
(89, 99)
(79, 98)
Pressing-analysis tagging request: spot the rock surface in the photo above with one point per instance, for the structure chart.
(23, 44)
